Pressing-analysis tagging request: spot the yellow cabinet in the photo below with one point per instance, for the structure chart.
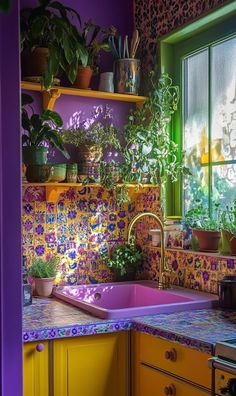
(91, 365)
(151, 382)
(35, 379)
(158, 363)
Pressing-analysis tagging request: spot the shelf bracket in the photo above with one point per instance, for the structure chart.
(53, 192)
(50, 97)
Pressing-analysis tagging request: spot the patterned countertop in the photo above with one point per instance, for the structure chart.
(48, 319)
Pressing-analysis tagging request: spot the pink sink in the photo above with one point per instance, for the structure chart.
(119, 300)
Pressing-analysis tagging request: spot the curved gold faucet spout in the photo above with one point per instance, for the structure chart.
(163, 281)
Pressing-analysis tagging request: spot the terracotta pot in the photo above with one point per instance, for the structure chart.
(43, 286)
(83, 78)
(232, 242)
(208, 240)
(34, 63)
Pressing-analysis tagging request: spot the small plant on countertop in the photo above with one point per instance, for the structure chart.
(198, 218)
(41, 268)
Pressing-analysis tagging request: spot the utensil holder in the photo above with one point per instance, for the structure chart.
(127, 76)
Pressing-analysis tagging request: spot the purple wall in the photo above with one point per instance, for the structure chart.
(10, 207)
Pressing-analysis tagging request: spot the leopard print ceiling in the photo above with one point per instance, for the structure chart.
(155, 18)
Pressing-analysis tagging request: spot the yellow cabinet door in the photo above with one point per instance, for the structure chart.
(91, 366)
(151, 382)
(35, 364)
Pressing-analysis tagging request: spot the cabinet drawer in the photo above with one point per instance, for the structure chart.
(153, 383)
(169, 356)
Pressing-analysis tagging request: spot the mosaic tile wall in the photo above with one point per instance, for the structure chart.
(86, 221)
(82, 224)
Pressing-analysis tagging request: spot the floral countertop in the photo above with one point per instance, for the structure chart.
(47, 319)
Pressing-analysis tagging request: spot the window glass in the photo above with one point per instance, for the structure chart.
(209, 123)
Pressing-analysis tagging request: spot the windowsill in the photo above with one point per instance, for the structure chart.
(193, 252)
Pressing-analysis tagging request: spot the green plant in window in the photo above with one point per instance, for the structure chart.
(198, 218)
(149, 149)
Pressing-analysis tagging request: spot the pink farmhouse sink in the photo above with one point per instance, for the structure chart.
(119, 300)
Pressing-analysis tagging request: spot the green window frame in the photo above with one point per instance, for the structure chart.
(174, 48)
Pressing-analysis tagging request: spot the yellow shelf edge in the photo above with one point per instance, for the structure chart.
(130, 185)
(84, 93)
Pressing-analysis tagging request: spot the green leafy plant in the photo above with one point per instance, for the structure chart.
(41, 128)
(149, 148)
(124, 256)
(228, 219)
(109, 174)
(95, 130)
(50, 25)
(41, 268)
(4, 5)
(198, 218)
(94, 39)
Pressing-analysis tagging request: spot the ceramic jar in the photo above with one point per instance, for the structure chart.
(106, 82)
(71, 173)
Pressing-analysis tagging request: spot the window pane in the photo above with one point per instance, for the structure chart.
(223, 100)
(223, 184)
(195, 116)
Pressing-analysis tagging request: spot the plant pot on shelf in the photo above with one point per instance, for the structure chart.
(90, 153)
(34, 155)
(232, 242)
(34, 63)
(38, 173)
(208, 240)
(43, 286)
(83, 78)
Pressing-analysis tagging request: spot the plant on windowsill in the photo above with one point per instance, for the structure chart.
(50, 42)
(124, 261)
(228, 229)
(205, 229)
(39, 129)
(43, 272)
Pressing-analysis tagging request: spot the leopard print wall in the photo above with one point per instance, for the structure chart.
(155, 18)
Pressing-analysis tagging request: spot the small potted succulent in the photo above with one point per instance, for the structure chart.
(228, 226)
(38, 130)
(94, 39)
(43, 273)
(124, 261)
(205, 228)
(50, 42)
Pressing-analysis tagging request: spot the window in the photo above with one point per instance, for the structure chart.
(209, 124)
(202, 60)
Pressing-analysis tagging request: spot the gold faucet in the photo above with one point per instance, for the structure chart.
(164, 269)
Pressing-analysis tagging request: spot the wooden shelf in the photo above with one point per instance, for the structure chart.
(49, 97)
(53, 190)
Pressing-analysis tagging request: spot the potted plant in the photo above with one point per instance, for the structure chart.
(205, 228)
(228, 221)
(93, 135)
(43, 272)
(150, 155)
(94, 39)
(50, 42)
(124, 261)
(39, 129)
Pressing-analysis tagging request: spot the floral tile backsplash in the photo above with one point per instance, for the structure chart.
(86, 222)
